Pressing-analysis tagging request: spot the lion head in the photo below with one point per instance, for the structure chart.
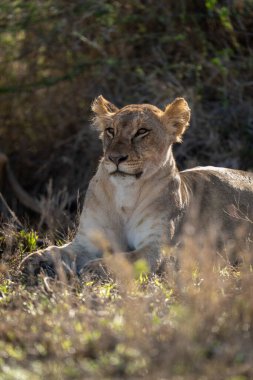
(137, 138)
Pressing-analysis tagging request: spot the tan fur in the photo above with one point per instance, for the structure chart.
(147, 203)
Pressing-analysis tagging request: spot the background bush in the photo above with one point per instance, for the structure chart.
(57, 55)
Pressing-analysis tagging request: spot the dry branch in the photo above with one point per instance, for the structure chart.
(17, 189)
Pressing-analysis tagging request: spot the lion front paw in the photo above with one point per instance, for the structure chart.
(96, 268)
(50, 262)
(36, 263)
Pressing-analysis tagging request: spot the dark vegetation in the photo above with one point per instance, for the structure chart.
(55, 57)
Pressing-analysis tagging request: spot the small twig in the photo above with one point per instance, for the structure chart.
(90, 43)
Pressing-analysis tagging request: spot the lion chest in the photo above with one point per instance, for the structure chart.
(125, 200)
(139, 221)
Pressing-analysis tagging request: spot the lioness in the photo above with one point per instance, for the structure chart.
(138, 200)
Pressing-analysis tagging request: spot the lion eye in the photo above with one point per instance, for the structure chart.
(110, 132)
(142, 132)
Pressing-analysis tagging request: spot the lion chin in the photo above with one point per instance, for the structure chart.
(119, 173)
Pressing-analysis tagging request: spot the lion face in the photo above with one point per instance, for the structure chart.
(137, 139)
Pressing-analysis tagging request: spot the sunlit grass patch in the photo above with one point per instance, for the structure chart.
(193, 321)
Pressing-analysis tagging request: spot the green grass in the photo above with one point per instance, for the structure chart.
(194, 323)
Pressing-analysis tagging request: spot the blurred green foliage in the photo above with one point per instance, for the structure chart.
(27, 241)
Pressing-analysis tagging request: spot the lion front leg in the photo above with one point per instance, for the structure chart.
(150, 252)
(54, 261)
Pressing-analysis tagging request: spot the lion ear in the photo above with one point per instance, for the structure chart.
(102, 107)
(176, 117)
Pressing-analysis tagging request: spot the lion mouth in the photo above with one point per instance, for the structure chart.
(124, 174)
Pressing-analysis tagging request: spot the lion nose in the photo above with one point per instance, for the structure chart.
(117, 158)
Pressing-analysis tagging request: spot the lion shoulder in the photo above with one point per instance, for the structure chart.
(217, 191)
(222, 178)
